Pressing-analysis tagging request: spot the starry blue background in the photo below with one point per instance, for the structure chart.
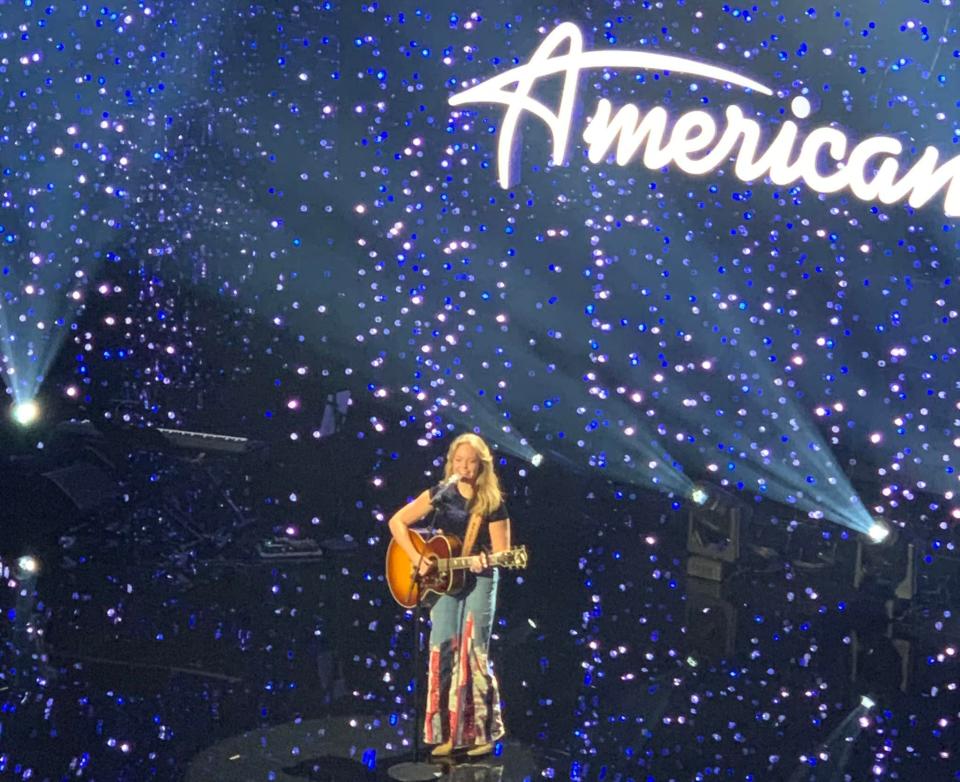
(295, 172)
(215, 215)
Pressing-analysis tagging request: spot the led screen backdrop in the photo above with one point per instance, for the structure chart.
(724, 249)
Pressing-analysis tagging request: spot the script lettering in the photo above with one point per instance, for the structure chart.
(692, 143)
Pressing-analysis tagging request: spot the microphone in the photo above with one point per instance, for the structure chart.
(443, 488)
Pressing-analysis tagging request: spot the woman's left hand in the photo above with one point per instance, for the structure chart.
(480, 563)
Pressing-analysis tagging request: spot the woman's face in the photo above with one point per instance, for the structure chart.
(466, 462)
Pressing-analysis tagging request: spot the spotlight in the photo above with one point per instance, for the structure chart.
(879, 531)
(28, 565)
(25, 413)
(867, 702)
(699, 496)
(537, 459)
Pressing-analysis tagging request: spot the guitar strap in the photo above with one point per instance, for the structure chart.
(473, 530)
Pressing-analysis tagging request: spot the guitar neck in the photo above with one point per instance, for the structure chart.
(462, 563)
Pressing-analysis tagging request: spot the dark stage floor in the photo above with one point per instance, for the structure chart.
(127, 665)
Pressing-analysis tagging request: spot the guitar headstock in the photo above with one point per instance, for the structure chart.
(514, 559)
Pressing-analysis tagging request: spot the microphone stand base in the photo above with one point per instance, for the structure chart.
(414, 772)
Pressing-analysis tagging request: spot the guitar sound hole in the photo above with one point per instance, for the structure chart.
(430, 579)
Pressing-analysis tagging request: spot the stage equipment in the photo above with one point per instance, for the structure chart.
(205, 441)
(442, 489)
(84, 485)
(890, 567)
(287, 548)
(26, 413)
(334, 414)
(713, 533)
(710, 620)
(699, 495)
(27, 566)
(811, 545)
(879, 531)
(882, 663)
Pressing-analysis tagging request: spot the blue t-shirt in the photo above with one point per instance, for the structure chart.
(452, 516)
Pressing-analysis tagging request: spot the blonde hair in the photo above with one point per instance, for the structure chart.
(488, 495)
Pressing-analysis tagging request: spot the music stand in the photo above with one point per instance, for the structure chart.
(416, 770)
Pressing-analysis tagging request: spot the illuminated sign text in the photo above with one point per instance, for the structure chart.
(696, 142)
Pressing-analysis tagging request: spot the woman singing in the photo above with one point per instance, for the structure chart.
(463, 699)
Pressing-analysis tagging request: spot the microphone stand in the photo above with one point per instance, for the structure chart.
(416, 770)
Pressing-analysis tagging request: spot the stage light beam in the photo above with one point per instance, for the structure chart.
(26, 413)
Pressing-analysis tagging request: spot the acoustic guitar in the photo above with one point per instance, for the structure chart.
(448, 573)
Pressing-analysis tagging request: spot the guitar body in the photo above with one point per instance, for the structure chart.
(400, 571)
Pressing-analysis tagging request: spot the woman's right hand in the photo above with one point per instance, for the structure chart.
(426, 565)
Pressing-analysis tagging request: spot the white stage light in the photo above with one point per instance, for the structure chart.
(536, 460)
(879, 531)
(25, 413)
(28, 565)
(867, 702)
(699, 496)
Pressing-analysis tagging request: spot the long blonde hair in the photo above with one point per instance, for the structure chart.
(488, 495)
